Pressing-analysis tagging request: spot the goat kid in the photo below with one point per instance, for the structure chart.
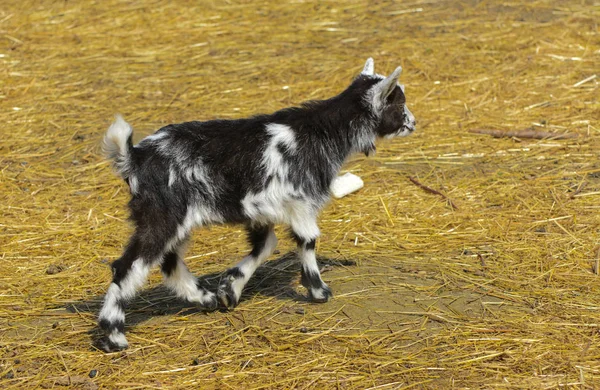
(261, 171)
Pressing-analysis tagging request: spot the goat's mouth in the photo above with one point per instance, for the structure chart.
(406, 130)
(402, 132)
(408, 127)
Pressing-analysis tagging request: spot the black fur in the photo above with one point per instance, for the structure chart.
(257, 236)
(306, 243)
(121, 266)
(234, 272)
(110, 326)
(310, 279)
(310, 245)
(299, 240)
(169, 263)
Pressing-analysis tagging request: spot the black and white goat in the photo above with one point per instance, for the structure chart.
(261, 171)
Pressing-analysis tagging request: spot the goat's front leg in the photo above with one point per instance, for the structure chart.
(306, 235)
(263, 242)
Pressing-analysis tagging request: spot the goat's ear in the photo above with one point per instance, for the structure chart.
(387, 86)
(369, 68)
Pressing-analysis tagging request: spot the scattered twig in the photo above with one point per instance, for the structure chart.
(526, 133)
(432, 191)
(578, 190)
(482, 260)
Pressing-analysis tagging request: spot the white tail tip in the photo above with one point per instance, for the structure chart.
(116, 138)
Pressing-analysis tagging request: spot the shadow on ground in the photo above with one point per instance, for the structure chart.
(277, 278)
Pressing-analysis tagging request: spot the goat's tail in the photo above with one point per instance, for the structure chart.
(118, 146)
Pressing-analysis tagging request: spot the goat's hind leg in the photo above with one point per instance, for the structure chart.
(130, 272)
(180, 280)
(263, 242)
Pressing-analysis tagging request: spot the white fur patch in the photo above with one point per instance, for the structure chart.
(133, 184)
(196, 215)
(278, 202)
(183, 284)
(364, 136)
(136, 277)
(118, 339)
(272, 158)
(308, 260)
(172, 176)
(111, 311)
(248, 265)
(317, 293)
(192, 170)
(305, 226)
(155, 137)
(372, 98)
(198, 172)
(282, 134)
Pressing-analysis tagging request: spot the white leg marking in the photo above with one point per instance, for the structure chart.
(308, 261)
(249, 264)
(184, 284)
(111, 311)
(136, 277)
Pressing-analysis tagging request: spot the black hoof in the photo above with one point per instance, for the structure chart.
(225, 292)
(211, 305)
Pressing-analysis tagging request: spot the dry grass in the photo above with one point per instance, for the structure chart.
(501, 292)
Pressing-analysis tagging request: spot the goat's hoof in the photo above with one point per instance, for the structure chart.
(230, 288)
(226, 294)
(227, 298)
(211, 302)
(107, 345)
(320, 294)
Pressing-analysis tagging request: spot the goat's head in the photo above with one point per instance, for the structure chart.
(388, 103)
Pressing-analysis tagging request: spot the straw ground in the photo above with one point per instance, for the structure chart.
(499, 291)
